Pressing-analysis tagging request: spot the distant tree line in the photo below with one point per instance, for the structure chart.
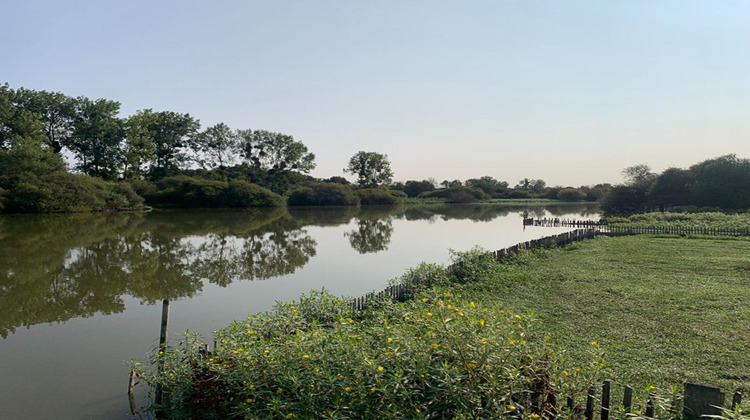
(720, 183)
(165, 158)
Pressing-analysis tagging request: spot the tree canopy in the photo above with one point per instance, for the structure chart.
(371, 169)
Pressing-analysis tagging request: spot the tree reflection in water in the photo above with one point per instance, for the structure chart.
(57, 267)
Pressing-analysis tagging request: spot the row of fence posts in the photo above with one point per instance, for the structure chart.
(698, 402)
(603, 227)
(399, 291)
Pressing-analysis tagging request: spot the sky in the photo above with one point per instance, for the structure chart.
(570, 92)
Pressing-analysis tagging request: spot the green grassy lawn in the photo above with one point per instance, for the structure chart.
(665, 310)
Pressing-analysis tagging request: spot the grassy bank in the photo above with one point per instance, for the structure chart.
(663, 310)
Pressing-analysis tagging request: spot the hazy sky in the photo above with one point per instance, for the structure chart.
(567, 91)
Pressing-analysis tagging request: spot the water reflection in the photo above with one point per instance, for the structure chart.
(54, 268)
(57, 267)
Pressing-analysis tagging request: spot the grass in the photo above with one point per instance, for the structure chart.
(665, 309)
(708, 220)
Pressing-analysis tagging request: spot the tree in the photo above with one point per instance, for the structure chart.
(487, 184)
(96, 137)
(173, 136)
(139, 149)
(413, 188)
(217, 147)
(371, 168)
(451, 184)
(275, 152)
(56, 110)
(637, 173)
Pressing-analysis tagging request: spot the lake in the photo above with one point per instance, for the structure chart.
(81, 294)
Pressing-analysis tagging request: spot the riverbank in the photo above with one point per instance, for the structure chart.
(664, 310)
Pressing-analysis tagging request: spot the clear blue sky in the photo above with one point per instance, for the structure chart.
(567, 91)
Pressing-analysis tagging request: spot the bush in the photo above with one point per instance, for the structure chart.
(571, 194)
(124, 196)
(245, 194)
(456, 194)
(323, 194)
(185, 191)
(376, 196)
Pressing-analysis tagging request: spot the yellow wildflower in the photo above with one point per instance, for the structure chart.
(428, 314)
(511, 407)
(351, 321)
(534, 416)
(289, 416)
(380, 368)
(481, 322)
(348, 389)
(472, 304)
(389, 340)
(425, 300)
(305, 357)
(471, 366)
(435, 346)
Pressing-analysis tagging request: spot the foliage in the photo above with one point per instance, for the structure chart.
(488, 184)
(184, 191)
(323, 194)
(413, 188)
(439, 356)
(380, 196)
(216, 147)
(96, 137)
(275, 152)
(571, 194)
(456, 194)
(710, 220)
(370, 168)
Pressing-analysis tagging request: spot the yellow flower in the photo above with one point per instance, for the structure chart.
(651, 387)
(380, 368)
(388, 353)
(484, 340)
(294, 312)
(289, 416)
(565, 373)
(425, 300)
(518, 317)
(460, 314)
(578, 370)
(595, 344)
(511, 407)
(472, 304)
(389, 340)
(535, 416)
(512, 342)
(435, 346)
(502, 312)
(419, 411)
(487, 368)
(372, 389)
(351, 321)
(471, 366)
(235, 352)
(481, 322)
(249, 400)
(428, 314)
(305, 357)
(348, 389)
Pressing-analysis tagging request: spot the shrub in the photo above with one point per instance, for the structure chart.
(438, 356)
(376, 196)
(323, 194)
(571, 194)
(458, 194)
(245, 194)
(185, 191)
(125, 197)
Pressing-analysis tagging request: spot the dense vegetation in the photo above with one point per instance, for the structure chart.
(719, 183)
(464, 347)
(117, 162)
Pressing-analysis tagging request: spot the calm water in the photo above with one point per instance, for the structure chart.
(81, 294)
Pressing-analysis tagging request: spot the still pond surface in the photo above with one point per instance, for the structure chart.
(81, 294)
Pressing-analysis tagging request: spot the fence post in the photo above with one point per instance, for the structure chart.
(590, 403)
(627, 399)
(701, 400)
(736, 400)
(606, 387)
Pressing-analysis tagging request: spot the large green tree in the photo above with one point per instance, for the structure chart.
(56, 110)
(216, 147)
(370, 168)
(96, 137)
(173, 137)
(139, 150)
(275, 152)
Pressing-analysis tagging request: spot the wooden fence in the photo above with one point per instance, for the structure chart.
(400, 291)
(601, 226)
(697, 401)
